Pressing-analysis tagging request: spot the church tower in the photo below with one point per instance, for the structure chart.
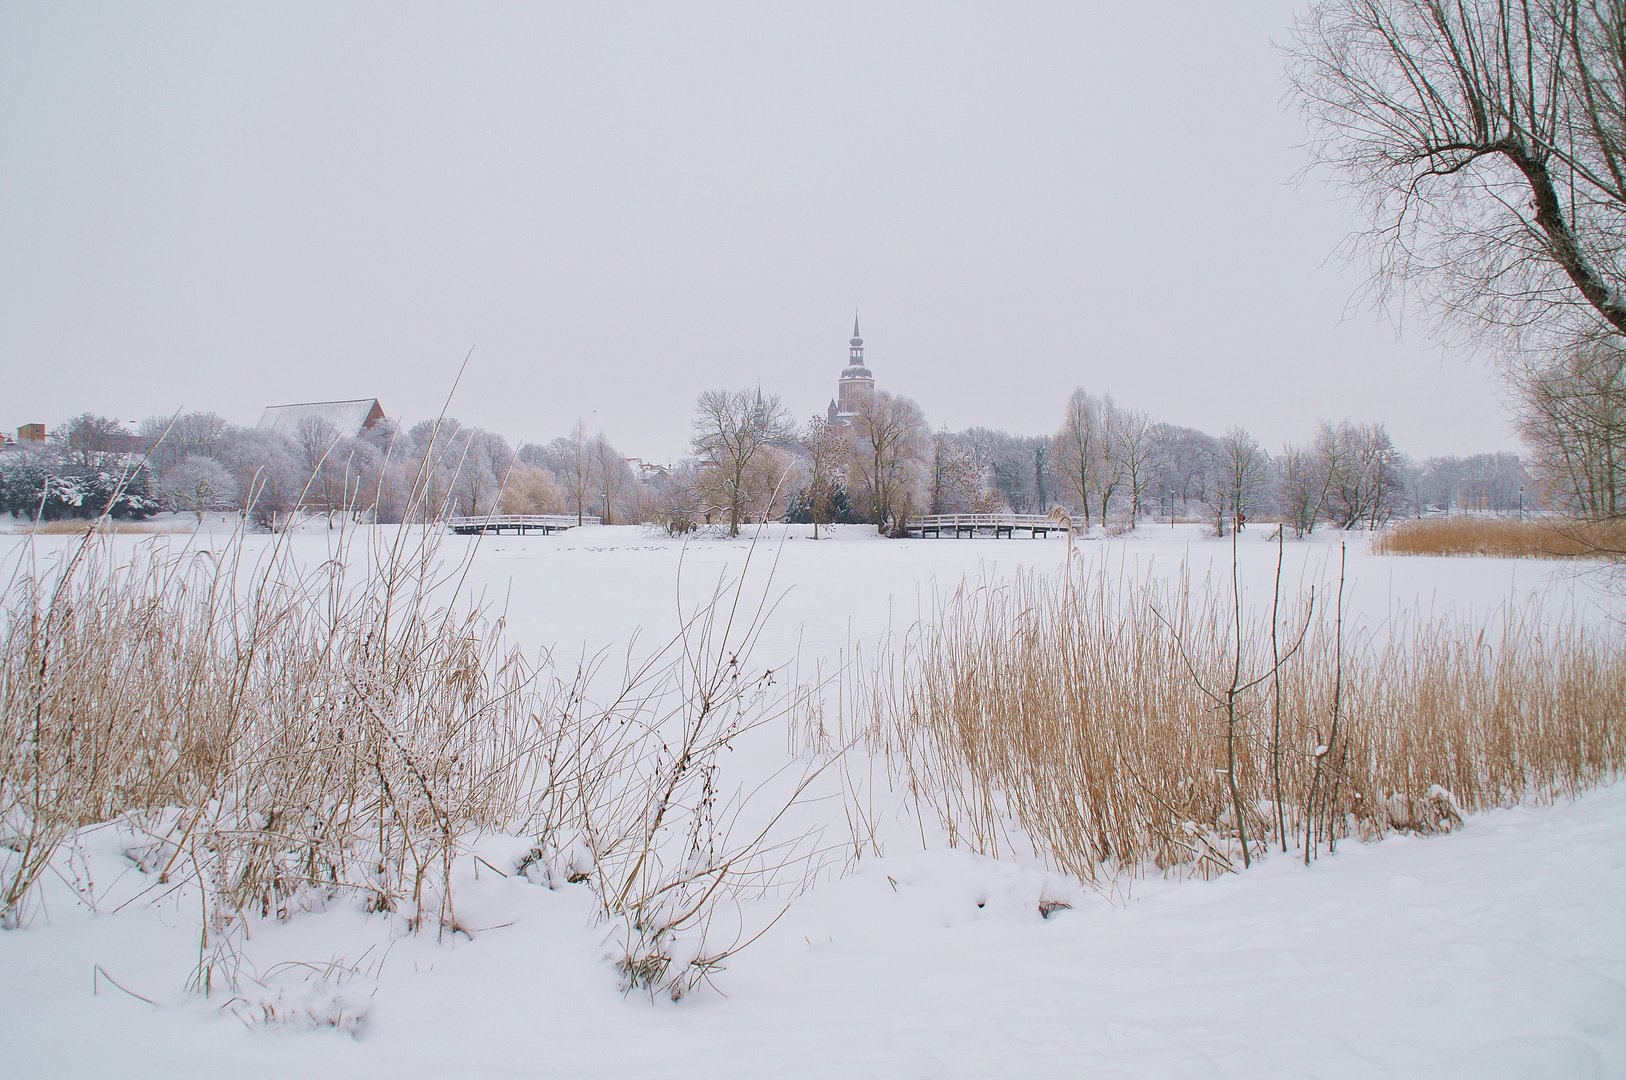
(856, 381)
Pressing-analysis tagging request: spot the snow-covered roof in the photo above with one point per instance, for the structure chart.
(347, 417)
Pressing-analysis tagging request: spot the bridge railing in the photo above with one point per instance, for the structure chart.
(985, 521)
(518, 522)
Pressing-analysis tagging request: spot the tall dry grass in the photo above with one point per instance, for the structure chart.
(80, 526)
(300, 731)
(1088, 719)
(1505, 538)
(293, 732)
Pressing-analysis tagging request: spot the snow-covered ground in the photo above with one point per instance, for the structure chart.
(1496, 951)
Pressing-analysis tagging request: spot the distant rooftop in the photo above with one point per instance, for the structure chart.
(347, 417)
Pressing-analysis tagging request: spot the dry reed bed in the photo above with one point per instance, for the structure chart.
(1504, 538)
(289, 735)
(317, 731)
(1091, 714)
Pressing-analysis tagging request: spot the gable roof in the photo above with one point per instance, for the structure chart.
(347, 417)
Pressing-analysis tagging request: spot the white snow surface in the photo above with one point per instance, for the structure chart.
(1496, 951)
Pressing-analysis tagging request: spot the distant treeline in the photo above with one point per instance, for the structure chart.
(1107, 464)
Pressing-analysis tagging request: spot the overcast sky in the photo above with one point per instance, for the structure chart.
(223, 207)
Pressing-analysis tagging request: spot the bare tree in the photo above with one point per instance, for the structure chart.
(1106, 466)
(1301, 488)
(1573, 417)
(730, 428)
(1356, 464)
(577, 469)
(768, 482)
(611, 475)
(1181, 467)
(1133, 446)
(1487, 139)
(90, 441)
(173, 439)
(1077, 446)
(1495, 482)
(317, 438)
(890, 457)
(827, 450)
(1237, 476)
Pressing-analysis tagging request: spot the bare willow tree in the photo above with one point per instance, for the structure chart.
(1487, 140)
(731, 428)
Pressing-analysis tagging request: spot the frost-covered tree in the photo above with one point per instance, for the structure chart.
(170, 440)
(530, 490)
(198, 485)
(1182, 464)
(1492, 482)
(891, 458)
(266, 469)
(956, 478)
(612, 479)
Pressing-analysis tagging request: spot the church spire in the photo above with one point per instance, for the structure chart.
(856, 382)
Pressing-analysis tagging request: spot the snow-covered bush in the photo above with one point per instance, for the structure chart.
(198, 485)
(44, 485)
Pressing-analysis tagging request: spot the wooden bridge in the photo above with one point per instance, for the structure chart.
(997, 525)
(517, 523)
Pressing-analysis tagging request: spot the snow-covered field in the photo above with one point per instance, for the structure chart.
(1498, 950)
